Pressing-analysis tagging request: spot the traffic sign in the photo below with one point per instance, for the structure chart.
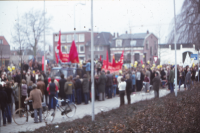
(155, 58)
(195, 56)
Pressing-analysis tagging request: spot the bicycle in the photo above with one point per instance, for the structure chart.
(21, 115)
(69, 109)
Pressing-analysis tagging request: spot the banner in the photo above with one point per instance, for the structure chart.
(65, 57)
(108, 66)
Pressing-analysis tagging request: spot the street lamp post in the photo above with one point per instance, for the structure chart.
(44, 41)
(75, 19)
(175, 49)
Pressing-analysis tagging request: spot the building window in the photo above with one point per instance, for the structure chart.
(101, 56)
(147, 44)
(56, 38)
(63, 38)
(1, 41)
(64, 49)
(76, 37)
(133, 42)
(81, 38)
(96, 56)
(68, 49)
(118, 43)
(69, 38)
(101, 48)
(155, 45)
(151, 51)
(81, 49)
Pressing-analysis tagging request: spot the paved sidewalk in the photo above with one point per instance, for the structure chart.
(83, 110)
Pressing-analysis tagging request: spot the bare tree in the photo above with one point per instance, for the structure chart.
(188, 23)
(30, 30)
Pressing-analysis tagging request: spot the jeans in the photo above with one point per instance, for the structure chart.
(114, 89)
(109, 91)
(36, 114)
(172, 87)
(179, 83)
(6, 114)
(52, 101)
(69, 97)
(73, 96)
(78, 96)
(86, 97)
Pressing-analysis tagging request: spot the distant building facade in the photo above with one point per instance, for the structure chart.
(102, 43)
(136, 47)
(4, 51)
(166, 53)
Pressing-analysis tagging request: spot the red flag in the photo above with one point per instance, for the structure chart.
(100, 58)
(107, 60)
(113, 63)
(59, 46)
(56, 57)
(141, 62)
(73, 54)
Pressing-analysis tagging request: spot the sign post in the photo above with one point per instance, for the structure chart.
(195, 56)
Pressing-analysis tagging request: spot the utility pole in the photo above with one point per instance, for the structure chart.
(44, 41)
(92, 61)
(175, 49)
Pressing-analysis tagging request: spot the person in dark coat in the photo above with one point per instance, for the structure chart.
(188, 79)
(33, 78)
(85, 85)
(18, 78)
(9, 92)
(4, 106)
(25, 66)
(109, 84)
(128, 88)
(156, 85)
(101, 83)
(62, 94)
(78, 88)
(45, 91)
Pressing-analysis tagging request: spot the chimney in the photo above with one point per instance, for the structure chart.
(114, 35)
(126, 32)
(117, 34)
(147, 31)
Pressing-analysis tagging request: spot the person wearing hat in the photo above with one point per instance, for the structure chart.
(36, 97)
(156, 85)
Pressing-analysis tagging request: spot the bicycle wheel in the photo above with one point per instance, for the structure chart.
(45, 112)
(70, 110)
(50, 115)
(20, 116)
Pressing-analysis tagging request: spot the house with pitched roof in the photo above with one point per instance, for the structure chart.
(136, 47)
(4, 51)
(102, 42)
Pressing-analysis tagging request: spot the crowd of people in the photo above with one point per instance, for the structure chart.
(77, 88)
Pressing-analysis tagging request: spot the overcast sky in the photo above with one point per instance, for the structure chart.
(109, 16)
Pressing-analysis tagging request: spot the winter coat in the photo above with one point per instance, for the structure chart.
(36, 97)
(128, 85)
(24, 90)
(88, 66)
(69, 86)
(62, 86)
(188, 78)
(16, 92)
(171, 76)
(85, 85)
(78, 84)
(28, 79)
(41, 86)
(101, 83)
(9, 92)
(133, 79)
(109, 81)
(156, 83)
(3, 99)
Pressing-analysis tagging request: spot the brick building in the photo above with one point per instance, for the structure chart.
(141, 46)
(102, 42)
(4, 51)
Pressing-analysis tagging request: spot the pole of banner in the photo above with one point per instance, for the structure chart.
(92, 61)
(44, 41)
(175, 49)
